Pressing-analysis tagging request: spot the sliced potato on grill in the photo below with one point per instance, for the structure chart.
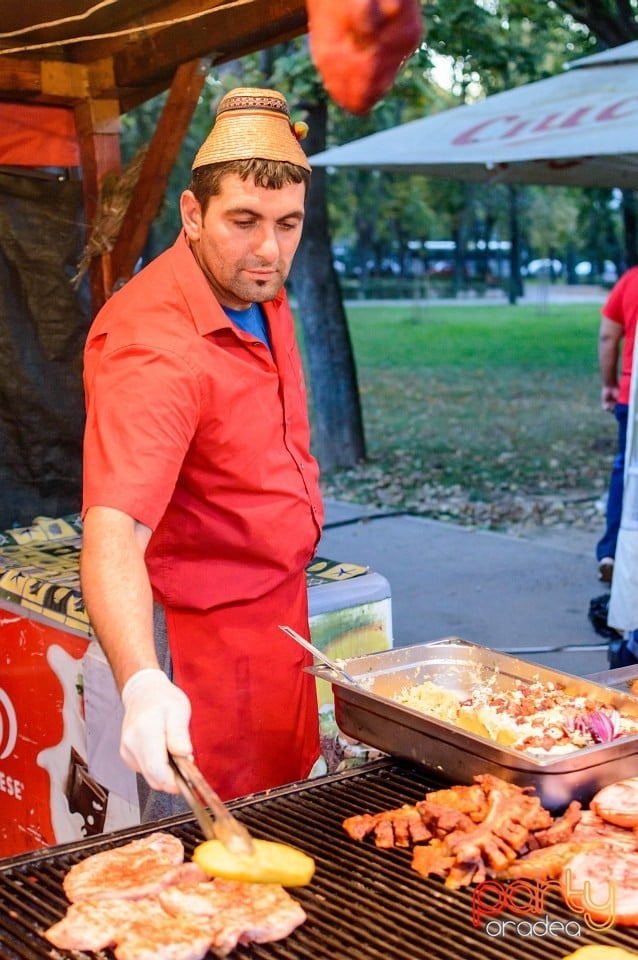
(601, 953)
(269, 862)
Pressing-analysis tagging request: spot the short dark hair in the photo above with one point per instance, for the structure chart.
(271, 174)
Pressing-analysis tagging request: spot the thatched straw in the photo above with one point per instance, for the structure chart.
(115, 197)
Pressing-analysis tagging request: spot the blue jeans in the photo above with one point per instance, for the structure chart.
(606, 546)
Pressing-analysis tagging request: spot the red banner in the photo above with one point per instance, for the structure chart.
(38, 136)
(42, 734)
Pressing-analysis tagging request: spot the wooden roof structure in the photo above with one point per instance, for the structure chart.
(104, 57)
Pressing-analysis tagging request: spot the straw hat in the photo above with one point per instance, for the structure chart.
(253, 123)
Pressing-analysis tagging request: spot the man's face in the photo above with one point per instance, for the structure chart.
(246, 241)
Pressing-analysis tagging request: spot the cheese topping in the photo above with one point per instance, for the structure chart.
(533, 717)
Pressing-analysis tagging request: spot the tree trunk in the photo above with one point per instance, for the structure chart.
(630, 228)
(515, 285)
(337, 421)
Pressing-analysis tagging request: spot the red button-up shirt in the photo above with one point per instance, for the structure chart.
(621, 306)
(198, 431)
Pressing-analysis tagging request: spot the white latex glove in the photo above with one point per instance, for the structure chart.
(156, 718)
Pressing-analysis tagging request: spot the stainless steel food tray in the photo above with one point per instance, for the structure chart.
(367, 713)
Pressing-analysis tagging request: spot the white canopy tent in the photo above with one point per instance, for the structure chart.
(578, 128)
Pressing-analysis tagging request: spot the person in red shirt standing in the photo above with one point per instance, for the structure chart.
(618, 325)
(201, 499)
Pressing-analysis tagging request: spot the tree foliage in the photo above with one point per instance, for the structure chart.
(609, 22)
(485, 46)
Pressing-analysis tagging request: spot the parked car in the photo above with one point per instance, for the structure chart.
(545, 267)
(609, 273)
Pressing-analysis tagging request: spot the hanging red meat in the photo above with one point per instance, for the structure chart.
(359, 45)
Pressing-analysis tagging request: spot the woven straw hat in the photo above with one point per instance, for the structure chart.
(253, 123)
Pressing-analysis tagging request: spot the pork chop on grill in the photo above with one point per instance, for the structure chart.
(96, 924)
(134, 870)
(237, 912)
(138, 929)
(593, 827)
(145, 903)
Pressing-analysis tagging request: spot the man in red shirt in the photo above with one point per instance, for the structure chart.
(618, 324)
(201, 497)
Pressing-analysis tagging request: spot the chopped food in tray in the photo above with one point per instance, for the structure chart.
(494, 830)
(533, 717)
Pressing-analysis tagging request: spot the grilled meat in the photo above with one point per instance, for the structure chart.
(96, 924)
(592, 827)
(165, 937)
(391, 828)
(561, 829)
(495, 842)
(466, 799)
(139, 930)
(468, 832)
(618, 803)
(604, 882)
(137, 869)
(143, 902)
(546, 863)
(236, 912)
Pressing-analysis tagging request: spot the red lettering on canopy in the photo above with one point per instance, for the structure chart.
(614, 110)
(516, 129)
(574, 118)
(509, 126)
(547, 123)
(471, 135)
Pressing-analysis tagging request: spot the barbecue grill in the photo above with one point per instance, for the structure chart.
(363, 904)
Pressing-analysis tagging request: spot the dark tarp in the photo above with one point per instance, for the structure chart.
(43, 326)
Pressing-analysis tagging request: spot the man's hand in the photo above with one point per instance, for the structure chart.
(156, 718)
(608, 397)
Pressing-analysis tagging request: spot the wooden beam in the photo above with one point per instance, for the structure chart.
(64, 81)
(98, 128)
(158, 163)
(19, 79)
(223, 33)
(56, 81)
(144, 59)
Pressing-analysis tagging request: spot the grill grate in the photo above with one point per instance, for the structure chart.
(363, 904)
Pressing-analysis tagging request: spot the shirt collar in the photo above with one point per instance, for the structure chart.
(206, 312)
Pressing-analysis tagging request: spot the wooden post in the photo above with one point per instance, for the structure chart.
(156, 168)
(98, 129)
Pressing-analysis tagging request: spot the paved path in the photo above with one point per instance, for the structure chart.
(541, 294)
(528, 596)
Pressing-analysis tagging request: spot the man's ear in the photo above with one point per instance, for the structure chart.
(191, 212)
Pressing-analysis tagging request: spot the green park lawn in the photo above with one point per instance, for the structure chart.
(484, 414)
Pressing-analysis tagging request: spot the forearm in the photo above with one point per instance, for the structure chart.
(119, 602)
(608, 363)
(609, 339)
(116, 590)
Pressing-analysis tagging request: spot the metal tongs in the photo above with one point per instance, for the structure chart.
(199, 795)
(320, 655)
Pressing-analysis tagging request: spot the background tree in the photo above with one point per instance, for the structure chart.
(610, 22)
(381, 218)
(337, 419)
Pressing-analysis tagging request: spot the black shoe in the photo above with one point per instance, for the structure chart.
(598, 609)
(619, 655)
